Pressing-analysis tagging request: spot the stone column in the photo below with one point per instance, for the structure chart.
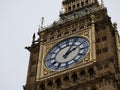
(93, 40)
(39, 67)
(117, 40)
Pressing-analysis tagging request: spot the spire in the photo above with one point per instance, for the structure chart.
(102, 3)
(33, 38)
(41, 25)
(115, 26)
(39, 28)
(42, 22)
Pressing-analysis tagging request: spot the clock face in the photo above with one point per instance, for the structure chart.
(67, 53)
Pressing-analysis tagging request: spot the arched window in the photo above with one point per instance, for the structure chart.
(82, 4)
(42, 87)
(58, 82)
(78, 5)
(86, 1)
(74, 76)
(91, 71)
(69, 8)
(73, 6)
(50, 83)
(66, 78)
(82, 73)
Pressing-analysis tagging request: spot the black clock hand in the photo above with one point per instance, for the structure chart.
(65, 56)
(71, 45)
(75, 48)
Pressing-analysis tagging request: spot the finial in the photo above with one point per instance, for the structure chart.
(102, 3)
(63, 9)
(41, 25)
(92, 18)
(39, 28)
(33, 38)
(115, 25)
(42, 21)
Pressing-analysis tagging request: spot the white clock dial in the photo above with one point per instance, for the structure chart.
(67, 53)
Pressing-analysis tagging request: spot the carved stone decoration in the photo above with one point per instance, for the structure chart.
(45, 72)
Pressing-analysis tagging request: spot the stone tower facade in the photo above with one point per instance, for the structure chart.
(80, 51)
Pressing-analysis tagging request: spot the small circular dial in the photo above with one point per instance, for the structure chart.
(67, 53)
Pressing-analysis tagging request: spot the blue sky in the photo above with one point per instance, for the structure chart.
(19, 19)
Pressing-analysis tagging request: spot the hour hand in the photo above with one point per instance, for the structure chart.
(68, 52)
(65, 55)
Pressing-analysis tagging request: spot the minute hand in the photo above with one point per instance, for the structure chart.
(71, 46)
(66, 54)
(75, 48)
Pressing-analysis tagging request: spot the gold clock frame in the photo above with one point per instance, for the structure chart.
(90, 58)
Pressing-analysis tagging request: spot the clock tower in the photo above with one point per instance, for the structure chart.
(80, 51)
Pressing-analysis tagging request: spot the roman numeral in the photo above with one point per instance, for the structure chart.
(53, 63)
(53, 53)
(71, 62)
(58, 65)
(67, 65)
(81, 54)
(58, 46)
(76, 60)
(67, 43)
